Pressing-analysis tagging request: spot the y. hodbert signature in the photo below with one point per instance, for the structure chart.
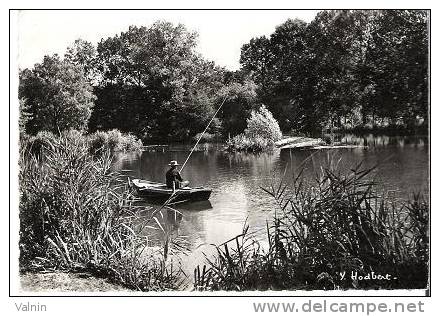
(355, 276)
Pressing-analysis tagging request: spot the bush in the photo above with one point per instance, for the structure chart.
(242, 142)
(321, 234)
(261, 133)
(262, 124)
(73, 214)
(98, 142)
(206, 138)
(130, 143)
(114, 141)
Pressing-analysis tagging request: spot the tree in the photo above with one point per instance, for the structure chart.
(397, 67)
(335, 39)
(282, 66)
(57, 94)
(24, 116)
(240, 100)
(153, 83)
(82, 53)
(343, 65)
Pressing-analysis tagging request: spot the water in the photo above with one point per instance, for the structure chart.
(236, 181)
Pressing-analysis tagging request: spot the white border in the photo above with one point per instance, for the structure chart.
(195, 305)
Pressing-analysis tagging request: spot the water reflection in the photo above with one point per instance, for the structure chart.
(236, 180)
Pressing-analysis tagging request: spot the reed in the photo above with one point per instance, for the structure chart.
(321, 233)
(75, 213)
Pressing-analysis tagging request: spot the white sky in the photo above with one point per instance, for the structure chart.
(221, 33)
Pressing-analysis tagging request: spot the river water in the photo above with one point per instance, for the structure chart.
(236, 180)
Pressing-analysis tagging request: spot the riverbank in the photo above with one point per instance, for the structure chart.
(67, 282)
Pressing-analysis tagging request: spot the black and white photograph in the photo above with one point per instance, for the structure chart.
(205, 152)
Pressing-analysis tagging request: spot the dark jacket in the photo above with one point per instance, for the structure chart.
(173, 175)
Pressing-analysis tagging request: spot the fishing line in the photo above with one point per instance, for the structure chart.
(183, 166)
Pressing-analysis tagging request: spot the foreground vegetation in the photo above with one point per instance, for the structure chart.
(324, 233)
(76, 214)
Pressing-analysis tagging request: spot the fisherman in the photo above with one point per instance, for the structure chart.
(174, 180)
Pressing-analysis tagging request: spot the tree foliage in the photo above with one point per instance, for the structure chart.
(82, 53)
(58, 96)
(397, 65)
(153, 83)
(344, 69)
(343, 64)
(240, 98)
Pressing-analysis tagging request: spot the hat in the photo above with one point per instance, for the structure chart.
(173, 163)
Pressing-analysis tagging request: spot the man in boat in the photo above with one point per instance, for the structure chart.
(174, 180)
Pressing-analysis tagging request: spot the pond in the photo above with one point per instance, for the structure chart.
(236, 180)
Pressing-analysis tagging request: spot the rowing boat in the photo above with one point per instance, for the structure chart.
(160, 192)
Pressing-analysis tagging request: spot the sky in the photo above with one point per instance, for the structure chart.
(221, 33)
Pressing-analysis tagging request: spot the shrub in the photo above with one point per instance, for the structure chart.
(73, 134)
(339, 225)
(262, 124)
(242, 142)
(114, 141)
(98, 142)
(206, 138)
(130, 143)
(261, 133)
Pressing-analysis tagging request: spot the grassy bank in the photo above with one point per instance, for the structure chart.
(75, 213)
(323, 233)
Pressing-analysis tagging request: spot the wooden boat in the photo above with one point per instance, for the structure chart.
(160, 192)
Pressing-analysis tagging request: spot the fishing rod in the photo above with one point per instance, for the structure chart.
(187, 158)
(173, 195)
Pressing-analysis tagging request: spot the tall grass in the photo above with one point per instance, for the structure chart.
(321, 234)
(77, 214)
